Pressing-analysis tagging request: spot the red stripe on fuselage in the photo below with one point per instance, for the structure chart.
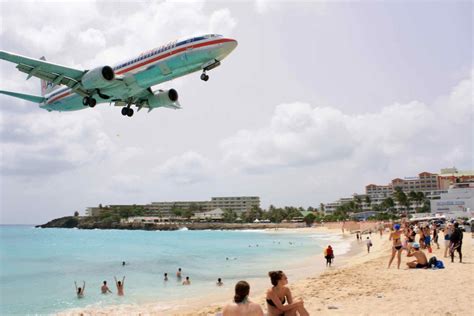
(168, 54)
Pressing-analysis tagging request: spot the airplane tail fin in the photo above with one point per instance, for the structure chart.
(27, 97)
(47, 86)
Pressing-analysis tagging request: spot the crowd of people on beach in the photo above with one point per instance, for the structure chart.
(404, 239)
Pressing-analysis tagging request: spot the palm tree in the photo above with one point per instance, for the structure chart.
(368, 201)
(401, 198)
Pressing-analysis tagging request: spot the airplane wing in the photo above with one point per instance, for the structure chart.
(47, 71)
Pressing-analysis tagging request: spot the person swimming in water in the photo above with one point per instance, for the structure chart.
(396, 236)
(219, 282)
(279, 294)
(120, 286)
(242, 305)
(104, 288)
(166, 277)
(79, 290)
(178, 273)
(187, 281)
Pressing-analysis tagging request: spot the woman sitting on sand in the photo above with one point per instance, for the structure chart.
(242, 305)
(396, 236)
(279, 294)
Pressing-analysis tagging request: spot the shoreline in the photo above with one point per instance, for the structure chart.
(358, 284)
(310, 266)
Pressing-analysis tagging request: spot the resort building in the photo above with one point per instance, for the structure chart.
(450, 176)
(457, 202)
(237, 204)
(214, 215)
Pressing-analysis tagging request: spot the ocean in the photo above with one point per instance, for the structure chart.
(38, 267)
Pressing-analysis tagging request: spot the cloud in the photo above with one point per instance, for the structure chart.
(49, 143)
(188, 168)
(297, 135)
(263, 6)
(414, 133)
(222, 22)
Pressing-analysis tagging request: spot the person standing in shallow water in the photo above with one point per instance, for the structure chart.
(166, 277)
(104, 288)
(79, 290)
(120, 286)
(242, 305)
(178, 273)
(187, 281)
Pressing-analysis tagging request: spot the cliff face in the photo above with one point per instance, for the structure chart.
(93, 223)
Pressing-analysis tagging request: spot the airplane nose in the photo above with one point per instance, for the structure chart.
(229, 46)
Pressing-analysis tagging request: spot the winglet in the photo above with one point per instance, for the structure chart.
(27, 97)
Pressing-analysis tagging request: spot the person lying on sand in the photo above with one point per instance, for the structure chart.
(421, 260)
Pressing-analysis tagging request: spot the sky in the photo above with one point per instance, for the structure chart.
(318, 100)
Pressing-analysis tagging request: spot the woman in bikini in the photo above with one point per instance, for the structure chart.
(279, 294)
(396, 236)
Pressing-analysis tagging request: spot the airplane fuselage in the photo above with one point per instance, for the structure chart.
(150, 68)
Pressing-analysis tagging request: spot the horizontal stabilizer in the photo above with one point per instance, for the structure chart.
(27, 97)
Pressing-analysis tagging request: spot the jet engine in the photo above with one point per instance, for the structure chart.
(98, 78)
(166, 98)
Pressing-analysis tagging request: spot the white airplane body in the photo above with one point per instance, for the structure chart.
(126, 84)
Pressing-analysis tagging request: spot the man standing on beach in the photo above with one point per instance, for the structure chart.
(456, 242)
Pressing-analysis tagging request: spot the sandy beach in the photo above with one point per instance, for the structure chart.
(357, 284)
(362, 285)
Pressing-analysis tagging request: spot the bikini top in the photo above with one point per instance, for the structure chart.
(270, 302)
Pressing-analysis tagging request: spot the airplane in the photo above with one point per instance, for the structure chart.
(127, 83)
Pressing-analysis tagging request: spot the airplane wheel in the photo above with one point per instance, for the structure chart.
(85, 101)
(204, 77)
(124, 111)
(92, 102)
(130, 112)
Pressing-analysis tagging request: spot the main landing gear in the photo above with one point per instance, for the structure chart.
(89, 101)
(127, 111)
(204, 77)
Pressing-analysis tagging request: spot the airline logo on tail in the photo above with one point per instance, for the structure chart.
(47, 86)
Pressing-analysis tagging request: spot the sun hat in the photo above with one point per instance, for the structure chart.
(416, 245)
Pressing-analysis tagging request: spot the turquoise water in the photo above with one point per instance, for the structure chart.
(38, 267)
